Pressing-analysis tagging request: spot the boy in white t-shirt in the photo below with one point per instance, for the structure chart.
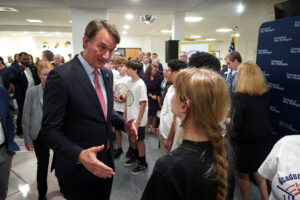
(137, 108)
(282, 168)
(167, 120)
(120, 91)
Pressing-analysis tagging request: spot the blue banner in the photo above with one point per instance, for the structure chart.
(278, 55)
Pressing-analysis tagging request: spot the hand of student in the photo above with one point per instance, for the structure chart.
(137, 125)
(131, 130)
(158, 132)
(88, 158)
(29, 146)
(117, 98)
(168, 144)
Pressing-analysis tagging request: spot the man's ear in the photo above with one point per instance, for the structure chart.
(85, 41)
(185, 106)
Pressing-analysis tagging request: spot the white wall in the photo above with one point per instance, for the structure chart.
(10, 45)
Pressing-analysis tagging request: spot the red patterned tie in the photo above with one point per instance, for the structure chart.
(99, 92)
(100, 96)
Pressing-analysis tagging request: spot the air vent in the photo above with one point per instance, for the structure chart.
(148, 19)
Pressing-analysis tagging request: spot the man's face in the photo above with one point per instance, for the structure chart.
(98, 50)
(117, 54)
(170, 75)
(183, 57)
(25, 60)
(140, 56)
(57, 60)
(232, 65)
(155, 62)
(145, 59)
(154, 56)
(165, 72)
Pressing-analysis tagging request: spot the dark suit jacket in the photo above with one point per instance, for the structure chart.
(73, 120)
(19, 80)
(251, 116)
(7, 122)
(224, 72)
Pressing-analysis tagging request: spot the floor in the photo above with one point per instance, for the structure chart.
(22, 182)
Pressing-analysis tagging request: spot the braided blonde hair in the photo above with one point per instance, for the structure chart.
(207, 93)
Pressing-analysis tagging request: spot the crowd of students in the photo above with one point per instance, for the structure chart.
(187, 104)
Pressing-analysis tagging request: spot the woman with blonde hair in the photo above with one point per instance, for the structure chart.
(31, 124)
(251, 135)
(200, 168)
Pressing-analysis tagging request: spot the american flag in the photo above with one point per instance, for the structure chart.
(232, 44)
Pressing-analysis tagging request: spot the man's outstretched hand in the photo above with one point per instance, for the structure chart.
(131, 130)
(88, 158)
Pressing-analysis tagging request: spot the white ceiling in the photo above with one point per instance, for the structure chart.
(56, 14)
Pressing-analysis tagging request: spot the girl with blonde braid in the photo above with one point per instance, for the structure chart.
(200, 168)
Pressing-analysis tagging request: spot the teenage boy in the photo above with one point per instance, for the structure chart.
(137, 108)
(167, 120)
(120, 91)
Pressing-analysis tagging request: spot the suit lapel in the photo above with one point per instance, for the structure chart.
(40, 93)
(84, 80)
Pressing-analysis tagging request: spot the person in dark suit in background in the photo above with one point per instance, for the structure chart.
(78, 116)
(23, 76)
(7, 144)
(233, 60)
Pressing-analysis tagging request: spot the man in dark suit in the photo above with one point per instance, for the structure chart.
(78, 116)
(23, 76)
(7, 144)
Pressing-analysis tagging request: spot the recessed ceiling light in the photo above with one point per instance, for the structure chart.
(124, 32)
(195, 36)
(34, 20)
(224, 30)
(126, 26)
(7, 9)
(193, 19)
(240, 8)
(210, 39)
(166, 31)
(57, 33)
(42, 32)
(129, 16)
(25, 32)
(70, 21)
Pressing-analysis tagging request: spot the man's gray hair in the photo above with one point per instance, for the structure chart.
(49, 55)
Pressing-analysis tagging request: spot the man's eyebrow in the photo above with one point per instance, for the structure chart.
(102, 43)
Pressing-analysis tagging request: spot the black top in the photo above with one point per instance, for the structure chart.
(181, 174)
(251, 116)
